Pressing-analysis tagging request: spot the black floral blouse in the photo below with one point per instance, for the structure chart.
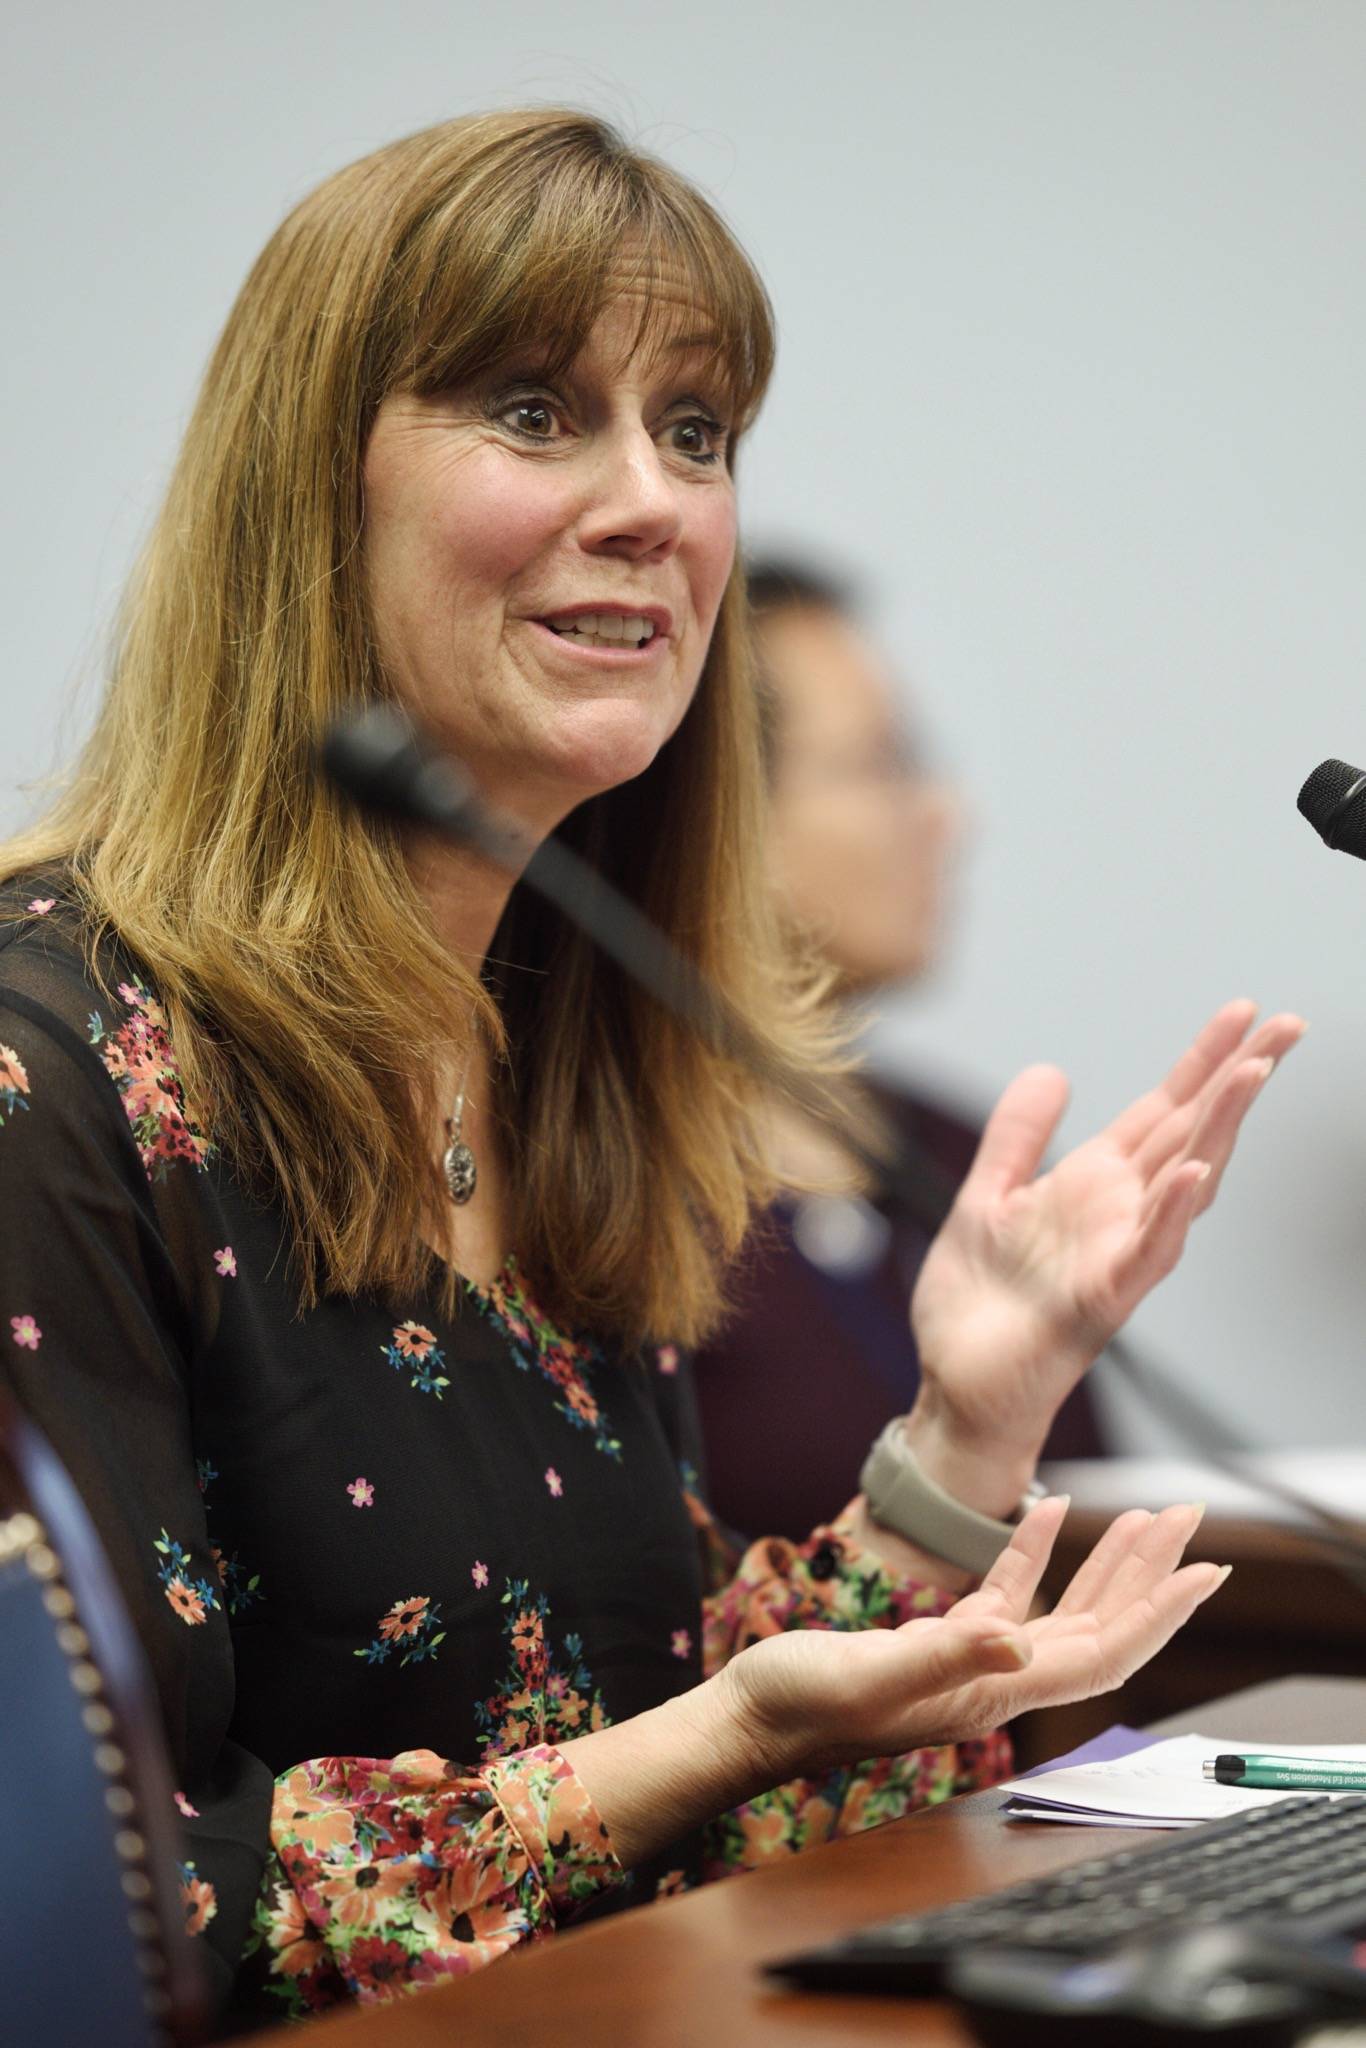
(362, 1542)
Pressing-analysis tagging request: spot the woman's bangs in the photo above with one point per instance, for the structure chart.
(578, 247)
(697, 295)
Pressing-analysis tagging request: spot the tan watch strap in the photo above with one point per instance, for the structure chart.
(904, 1499)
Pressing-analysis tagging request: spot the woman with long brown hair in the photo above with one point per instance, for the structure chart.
(355, 1210)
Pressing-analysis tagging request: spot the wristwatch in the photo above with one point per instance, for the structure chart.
(903, 1498)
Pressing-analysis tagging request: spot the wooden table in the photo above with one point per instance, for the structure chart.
(686, 1971)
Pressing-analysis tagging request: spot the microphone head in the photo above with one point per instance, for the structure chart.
(1334, 801)
(378, 759)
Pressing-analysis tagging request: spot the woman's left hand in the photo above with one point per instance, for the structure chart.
(808, 1698)
(1031, 1276)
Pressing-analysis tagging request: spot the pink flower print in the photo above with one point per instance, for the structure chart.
(362, 1493)
(26, 1332)
(190, 1812)
(554, 1481)
(480, 1574)
(41, 905)
(681, 1643)
(226, 1263)
(666, 1358)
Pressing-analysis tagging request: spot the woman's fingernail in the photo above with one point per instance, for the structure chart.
(1267, 1067)
(1064, 1498)
(1015, 1646)
(1198, 1510)
(1224, 1571)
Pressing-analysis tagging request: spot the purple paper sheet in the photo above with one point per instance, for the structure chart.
(1101, 1749)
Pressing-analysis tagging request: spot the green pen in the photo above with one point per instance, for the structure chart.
(1287, 1773)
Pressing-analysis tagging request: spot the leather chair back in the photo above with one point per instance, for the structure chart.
(93, 1952)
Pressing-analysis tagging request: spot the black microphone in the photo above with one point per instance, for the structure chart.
(1334, 801)
(377, 758)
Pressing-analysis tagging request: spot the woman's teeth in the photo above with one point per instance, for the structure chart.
(604, 629)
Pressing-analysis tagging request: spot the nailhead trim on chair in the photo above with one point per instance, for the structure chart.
(23, 1539)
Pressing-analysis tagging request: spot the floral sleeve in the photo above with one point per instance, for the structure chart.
(390, 1875)
(826, 1582)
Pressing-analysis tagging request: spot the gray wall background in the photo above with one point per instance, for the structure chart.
(1072, 313)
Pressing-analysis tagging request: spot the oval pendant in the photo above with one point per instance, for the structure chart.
(460, 1170)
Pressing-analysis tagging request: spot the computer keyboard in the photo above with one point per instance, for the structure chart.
(1299, 1864)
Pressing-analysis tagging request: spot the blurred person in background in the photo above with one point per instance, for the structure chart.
(863, 832)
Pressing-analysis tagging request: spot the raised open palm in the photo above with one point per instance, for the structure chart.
(818, 1697)
(1033, 1273)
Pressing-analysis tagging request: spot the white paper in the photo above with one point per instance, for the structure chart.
(1161, 1786)
(1016, 1809)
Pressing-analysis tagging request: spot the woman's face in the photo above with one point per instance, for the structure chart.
(546, 559)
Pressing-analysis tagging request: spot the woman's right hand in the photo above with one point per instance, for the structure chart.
(815, 1697)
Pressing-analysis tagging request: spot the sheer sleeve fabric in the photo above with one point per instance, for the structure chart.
(345, 1876)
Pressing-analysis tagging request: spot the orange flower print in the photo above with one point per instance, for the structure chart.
(582, 1402)
(470, 1904)
(26, 1332)
(413, 1340)
(191, 1598)
(414, 1346)
(366, 1896)
(410, 1626)
(318, 1820)
(766, 1830)
(541, 1699)
(292, 1936)
(185, 1602)
(404, 1618)
(199, 1899)
(13, 1082)
(528, 1634)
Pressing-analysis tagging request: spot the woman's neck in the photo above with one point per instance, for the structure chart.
(465, 895)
